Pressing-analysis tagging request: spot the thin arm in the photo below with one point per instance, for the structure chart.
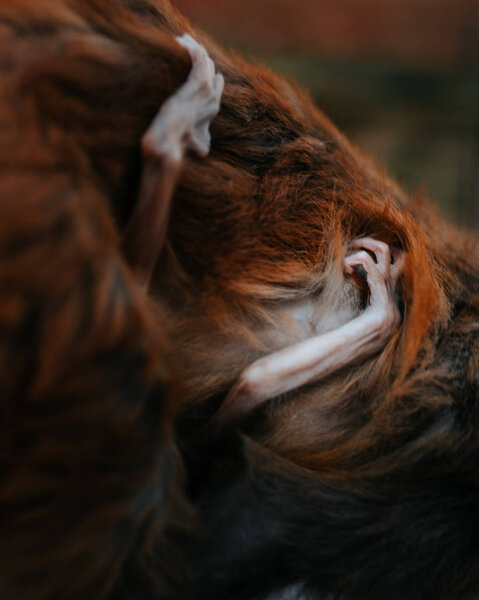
(182, 122)
(320, 356)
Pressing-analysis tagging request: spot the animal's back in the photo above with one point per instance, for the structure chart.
(257, 234)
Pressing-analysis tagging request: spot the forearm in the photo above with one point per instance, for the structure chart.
(320, 356)
(145, 233)
(316, 358)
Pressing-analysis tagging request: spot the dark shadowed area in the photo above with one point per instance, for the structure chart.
(399, 77)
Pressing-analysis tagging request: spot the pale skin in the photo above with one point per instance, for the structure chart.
(314, 359)
(182, 123)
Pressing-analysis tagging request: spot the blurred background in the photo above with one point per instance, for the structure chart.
(399, 77)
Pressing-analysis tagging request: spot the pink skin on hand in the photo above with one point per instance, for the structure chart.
(184, 119)
(317, 357)
(382, 278)
(182, 123)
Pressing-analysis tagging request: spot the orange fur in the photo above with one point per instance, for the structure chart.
(261, 223)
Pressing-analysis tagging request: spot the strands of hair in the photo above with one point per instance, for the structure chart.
(115, 481)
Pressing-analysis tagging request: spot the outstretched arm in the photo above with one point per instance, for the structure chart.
(317, 357)
(181, 123)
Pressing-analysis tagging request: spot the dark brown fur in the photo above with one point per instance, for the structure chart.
(262, 222)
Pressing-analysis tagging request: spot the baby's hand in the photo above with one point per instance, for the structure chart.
(184, 119)
(381, 276)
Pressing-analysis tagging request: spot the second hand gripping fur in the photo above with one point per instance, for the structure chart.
(181, 124)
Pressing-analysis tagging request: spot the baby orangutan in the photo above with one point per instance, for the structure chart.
(232, 410)
(182, 123)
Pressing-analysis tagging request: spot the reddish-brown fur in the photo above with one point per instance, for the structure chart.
(264, 220)
(83, 359)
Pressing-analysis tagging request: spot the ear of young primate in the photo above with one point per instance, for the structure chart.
(374, 538)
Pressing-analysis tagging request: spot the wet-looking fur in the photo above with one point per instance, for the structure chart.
(362, 486)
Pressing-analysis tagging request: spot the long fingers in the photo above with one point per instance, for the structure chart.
(382, 268)
(201, 94)
(389, 258)
(202, 65)
(376, 277)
